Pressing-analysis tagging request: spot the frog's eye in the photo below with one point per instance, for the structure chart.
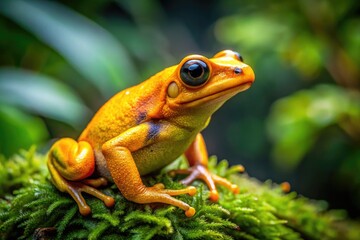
(238, 56)
(194, 73)
(229, 53)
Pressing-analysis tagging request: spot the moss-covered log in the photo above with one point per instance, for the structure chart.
(31, 207)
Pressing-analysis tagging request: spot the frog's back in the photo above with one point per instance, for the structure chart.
(123, 111)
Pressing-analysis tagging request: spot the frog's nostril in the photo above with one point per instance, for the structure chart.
(238, 70)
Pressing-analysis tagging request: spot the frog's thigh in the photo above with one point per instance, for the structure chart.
(73, 160)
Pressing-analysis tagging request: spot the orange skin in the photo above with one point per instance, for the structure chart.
(143, 128)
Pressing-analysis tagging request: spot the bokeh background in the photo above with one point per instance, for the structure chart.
(300, 122)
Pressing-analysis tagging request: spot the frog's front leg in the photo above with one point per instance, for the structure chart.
(197, 157)
(70, 164)
(122, 167)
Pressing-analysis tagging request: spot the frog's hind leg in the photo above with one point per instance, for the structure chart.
(70, 163)
(198, 160)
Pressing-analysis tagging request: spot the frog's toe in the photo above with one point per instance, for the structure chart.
(85, 210)
(97, 182)
(75, 189)
(192, 177)
(154, 194)
(214, 196)
(175, 172)
(226, 183)
(211, 180)
(159, 186)
(174, 192)
(190, 212)
(192, 190)
(109, 201)
(235, 188)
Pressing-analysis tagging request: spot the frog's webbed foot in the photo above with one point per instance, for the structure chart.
(75, 189)
(158, 193)
(200, 172)
(70, 164)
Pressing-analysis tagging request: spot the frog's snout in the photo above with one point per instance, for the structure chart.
(244, 73)
(248, 73)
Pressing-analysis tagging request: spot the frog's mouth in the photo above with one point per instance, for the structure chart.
(217, 96)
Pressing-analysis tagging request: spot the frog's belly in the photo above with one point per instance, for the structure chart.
(147, 159)
(157, 156)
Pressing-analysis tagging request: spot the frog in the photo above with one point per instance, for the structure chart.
(144, 128)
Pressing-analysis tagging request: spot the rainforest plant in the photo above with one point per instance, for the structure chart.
(31, 207)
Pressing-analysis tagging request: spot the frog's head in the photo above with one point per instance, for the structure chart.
(202, 83)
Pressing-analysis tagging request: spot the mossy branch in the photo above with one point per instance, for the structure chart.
(30, 206)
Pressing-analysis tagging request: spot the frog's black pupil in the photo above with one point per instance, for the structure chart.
(239, 56)
(194, 72)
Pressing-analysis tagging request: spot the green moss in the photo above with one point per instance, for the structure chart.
(30, 206)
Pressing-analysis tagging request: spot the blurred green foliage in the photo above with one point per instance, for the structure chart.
(60, 60)
(296, 121)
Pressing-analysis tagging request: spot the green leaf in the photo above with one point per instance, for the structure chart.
(57, 204)
(42, 95)
(65, 221)
(96, 232)
(15, 123)
(114, 221)
(93, 51)
(296, 121)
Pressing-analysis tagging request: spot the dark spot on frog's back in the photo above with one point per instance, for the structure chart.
(154, 130)
(141, 117)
